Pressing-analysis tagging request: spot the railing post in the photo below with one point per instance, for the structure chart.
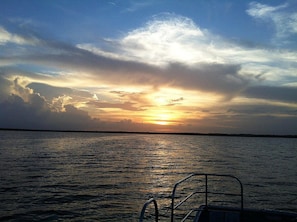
(172, 208)
(206, 191)
(173, 194)
(152, 200)
(172, 203)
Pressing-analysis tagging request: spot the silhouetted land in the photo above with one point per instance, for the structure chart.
(180, 133)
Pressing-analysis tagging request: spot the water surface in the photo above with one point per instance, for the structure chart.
(59, 176)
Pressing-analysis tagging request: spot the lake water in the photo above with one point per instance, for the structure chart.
(56, 176)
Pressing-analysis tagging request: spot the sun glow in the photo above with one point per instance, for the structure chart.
(162, 119)
(164, 107)
(159, 117)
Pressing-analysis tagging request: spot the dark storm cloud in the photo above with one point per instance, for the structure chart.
(16, 113)
(28, 110)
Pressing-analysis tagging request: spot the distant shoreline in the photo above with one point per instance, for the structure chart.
(161, 133)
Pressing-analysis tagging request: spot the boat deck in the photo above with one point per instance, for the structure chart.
(225, 214)
(222, 201)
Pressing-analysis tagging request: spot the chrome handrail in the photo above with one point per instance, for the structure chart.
(206, 192)
(152, 200)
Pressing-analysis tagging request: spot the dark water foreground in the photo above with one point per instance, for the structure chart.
(60, 176)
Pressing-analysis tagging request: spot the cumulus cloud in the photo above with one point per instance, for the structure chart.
(23, 108)
(169, 40)
(165, 39)
(16, 113)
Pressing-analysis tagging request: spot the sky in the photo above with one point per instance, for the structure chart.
(199, 66)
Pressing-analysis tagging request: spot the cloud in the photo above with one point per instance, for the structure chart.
(200, 76)
(166, 38)
(169, 50)
(24, 107)
(260, 10)
(48, 91)
(28, 110)
(56, 109)
(123, 106)
(262, 109)
(5, 86)
(173, 41)
(284, 20)
(7, 37)
(38, 114)
(276, 93)
(55, 82)
(16, 113)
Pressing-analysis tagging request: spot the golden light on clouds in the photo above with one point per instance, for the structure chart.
(162, 118)
(171, 73)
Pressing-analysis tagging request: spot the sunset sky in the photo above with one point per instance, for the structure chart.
(205, 66)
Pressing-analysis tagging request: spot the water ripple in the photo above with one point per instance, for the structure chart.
(107, 177)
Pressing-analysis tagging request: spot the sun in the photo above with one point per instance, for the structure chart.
(164, 107)
(162, 119)
(163, 123)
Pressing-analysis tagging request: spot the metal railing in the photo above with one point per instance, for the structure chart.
(152, 200)
(206, 192)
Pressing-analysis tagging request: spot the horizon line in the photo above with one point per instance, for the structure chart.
(154, 132)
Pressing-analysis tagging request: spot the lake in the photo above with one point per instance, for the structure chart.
(67, 176)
